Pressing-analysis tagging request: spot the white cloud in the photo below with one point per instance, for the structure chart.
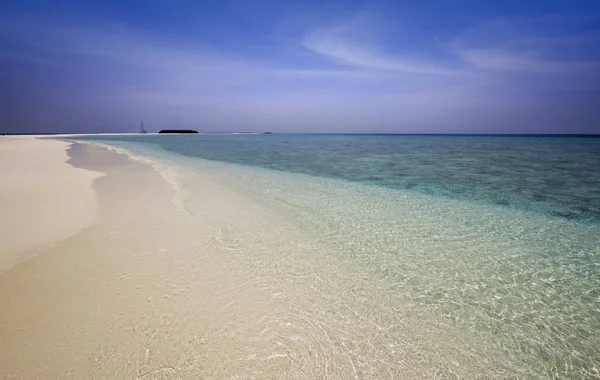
(339, 44)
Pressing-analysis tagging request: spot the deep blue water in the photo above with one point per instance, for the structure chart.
(558, 176)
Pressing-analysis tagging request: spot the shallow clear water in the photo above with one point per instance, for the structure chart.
(552, 175)
(496, 238)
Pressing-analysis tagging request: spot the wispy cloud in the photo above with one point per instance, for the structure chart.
(171, 64)
(339, 43)
(543, 45)
(500, 59)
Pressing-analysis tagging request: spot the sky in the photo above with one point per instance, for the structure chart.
(428, 66)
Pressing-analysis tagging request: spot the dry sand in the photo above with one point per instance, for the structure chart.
(79, 309)
(43, 199)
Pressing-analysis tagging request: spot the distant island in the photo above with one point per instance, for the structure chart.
(178, 131)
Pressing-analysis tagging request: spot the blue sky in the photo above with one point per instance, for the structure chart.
(301, 66)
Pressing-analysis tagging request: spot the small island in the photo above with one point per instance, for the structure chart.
(178, 131)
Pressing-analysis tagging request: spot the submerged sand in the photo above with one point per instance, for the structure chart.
(229, 290)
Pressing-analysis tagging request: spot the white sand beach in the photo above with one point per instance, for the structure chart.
(76, 309)
(43, 199)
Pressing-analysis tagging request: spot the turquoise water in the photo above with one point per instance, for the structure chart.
(496, 238)
(552, 175)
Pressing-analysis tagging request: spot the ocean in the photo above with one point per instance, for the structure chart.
(418, 245)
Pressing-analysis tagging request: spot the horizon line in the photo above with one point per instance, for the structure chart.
(595, 135)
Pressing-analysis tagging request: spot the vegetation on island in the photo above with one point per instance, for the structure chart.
(178, 131)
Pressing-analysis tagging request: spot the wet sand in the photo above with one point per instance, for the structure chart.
(230, 290)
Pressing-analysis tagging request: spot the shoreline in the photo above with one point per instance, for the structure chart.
(203, 269)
